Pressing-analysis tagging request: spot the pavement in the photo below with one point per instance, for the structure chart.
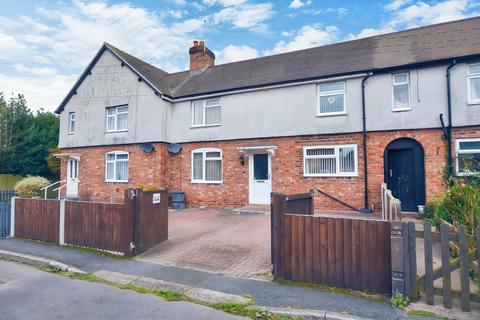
(264, 293)
(215, 240)
(28, 293)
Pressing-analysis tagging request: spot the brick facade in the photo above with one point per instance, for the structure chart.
(164, 170)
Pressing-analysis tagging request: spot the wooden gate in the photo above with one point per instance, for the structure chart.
(340, 252)
(456, 253)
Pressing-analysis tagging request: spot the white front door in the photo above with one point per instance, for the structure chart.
(260, 178)
(72, 177)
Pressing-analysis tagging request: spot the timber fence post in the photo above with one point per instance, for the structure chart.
(61, 224)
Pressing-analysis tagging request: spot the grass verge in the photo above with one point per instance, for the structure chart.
(428, 314)
(232, 308)
(358, 294)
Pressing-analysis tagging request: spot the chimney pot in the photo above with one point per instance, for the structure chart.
(200, 56)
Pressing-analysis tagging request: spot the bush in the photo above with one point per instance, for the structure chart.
(31, 186)
(460, 205)
(399, 301)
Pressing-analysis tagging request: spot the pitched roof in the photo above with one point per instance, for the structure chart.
(433, 43)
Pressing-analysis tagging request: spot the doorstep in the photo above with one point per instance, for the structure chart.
(260, 209)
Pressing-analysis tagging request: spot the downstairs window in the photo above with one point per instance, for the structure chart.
(468, 157)
(207, 165)
(330, 161)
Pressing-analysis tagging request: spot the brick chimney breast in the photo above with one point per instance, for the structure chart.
(200, 56)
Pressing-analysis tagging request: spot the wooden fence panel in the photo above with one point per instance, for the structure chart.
(37, 219)
(98, 225)
(151, 219)
(341, 252)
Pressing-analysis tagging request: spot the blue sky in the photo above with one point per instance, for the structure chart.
(45, 45)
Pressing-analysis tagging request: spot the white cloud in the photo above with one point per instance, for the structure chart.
(307, 37)
(396, 4)
(296, 4)
(233, 53)
(422, 13)
(245, 16)
(36, 71)
(369, 32)
(225, 3)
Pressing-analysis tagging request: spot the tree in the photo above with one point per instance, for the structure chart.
(26, 138)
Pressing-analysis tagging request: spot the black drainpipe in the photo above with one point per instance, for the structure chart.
(449, 127)
(365, 209)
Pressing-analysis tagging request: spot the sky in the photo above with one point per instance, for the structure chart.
(45, 45)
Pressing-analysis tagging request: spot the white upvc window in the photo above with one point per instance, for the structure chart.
(330, 161)
(331, 98)
(207, 165)
(401, 91)
(468, 156)
(117, 118)
(71, 122)
(206, 113)
(474, 83)
(116, 166)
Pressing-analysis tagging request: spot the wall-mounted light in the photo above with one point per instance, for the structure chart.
(242, 160)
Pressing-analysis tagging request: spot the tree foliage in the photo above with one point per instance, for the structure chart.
(26, 138)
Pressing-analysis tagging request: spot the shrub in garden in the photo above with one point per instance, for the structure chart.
(31, 186)
(460, 205)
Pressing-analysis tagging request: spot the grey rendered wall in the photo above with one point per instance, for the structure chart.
(266, 113)
(464, 114)
(110, 84)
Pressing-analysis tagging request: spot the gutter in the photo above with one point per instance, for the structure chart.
(365, 208)
(449, 114)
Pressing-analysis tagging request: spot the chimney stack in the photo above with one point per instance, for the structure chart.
(200, 56)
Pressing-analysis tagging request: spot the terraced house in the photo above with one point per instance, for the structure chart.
(342, 118)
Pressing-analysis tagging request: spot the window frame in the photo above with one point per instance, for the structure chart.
(107, 116)
(204, 151)
(394, 84)
(469, 77)
(458, 151)
(204, 107)
(116, 152)
(70, 120)
(331, 93)
(337, 148)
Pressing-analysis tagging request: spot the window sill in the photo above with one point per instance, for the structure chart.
(331, 114)
(330, 176)
(473, 103)
(116, 181)
(205, 126)
(70, 133)
(468, 174)
(401, 109)
(116, 131)
(206, 182)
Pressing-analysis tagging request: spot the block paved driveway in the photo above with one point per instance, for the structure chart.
(215, 240)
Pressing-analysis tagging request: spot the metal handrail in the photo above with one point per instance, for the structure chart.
(50, 185)
(63, 186)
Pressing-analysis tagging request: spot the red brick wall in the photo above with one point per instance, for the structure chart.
(163, 170)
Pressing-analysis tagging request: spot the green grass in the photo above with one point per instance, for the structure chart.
(359, 294)
(232, 308)
(423, 313)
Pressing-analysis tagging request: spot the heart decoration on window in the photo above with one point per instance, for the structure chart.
(331, 100)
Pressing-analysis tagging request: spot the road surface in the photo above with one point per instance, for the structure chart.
(28, 293)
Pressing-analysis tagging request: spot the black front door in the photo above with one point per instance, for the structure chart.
(405, 172)
(401, 177)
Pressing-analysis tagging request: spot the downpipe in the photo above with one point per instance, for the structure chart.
(365, 208)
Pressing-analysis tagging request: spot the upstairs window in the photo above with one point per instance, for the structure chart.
(117, 118)
(468, 157)
(206, 113)
(207, 165)
(116, 166)
(474, 83)
(71, 122)
(330, 161)
(331, 98)
(401, 91)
